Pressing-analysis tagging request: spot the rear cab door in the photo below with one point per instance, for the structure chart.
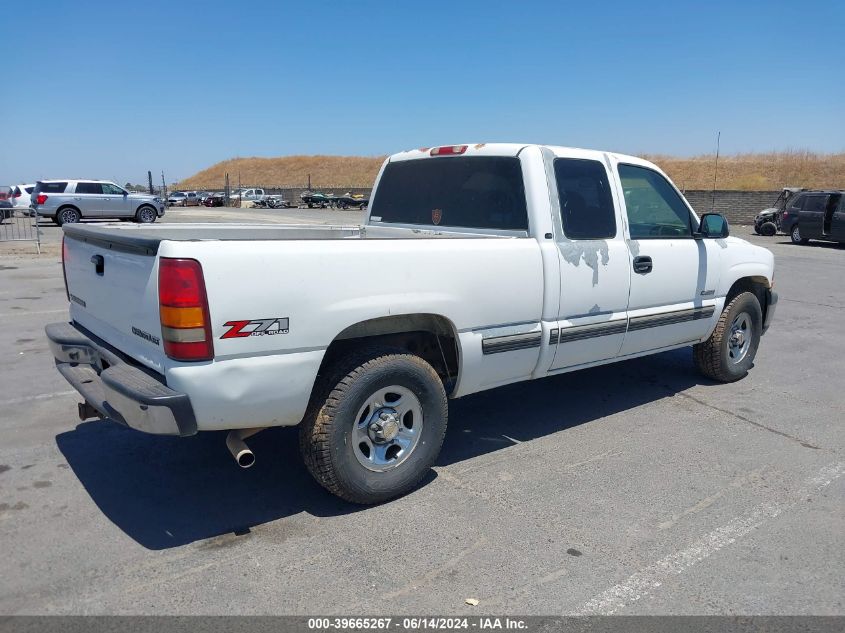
(88, 196)
(811, 219)
(595, 263)
(674, 277)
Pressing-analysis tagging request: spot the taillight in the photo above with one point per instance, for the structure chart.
(17, 194)
(786, 214)
(64, 266)
(183, 309)
(40, 198)
(448, 150)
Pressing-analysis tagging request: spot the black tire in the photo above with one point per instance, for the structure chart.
(145, 215)
(795, 236)
(329, 425)
(768, 229)
(68, 215)
(717, 357)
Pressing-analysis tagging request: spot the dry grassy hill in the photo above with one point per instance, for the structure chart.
(747, 172)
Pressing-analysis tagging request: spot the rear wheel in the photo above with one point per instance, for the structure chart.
(375, 426)
(795, 236)
(768, 229)
(729, 352)
(145, 215)
(67, 215)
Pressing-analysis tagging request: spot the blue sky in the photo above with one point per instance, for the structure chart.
(110, 90)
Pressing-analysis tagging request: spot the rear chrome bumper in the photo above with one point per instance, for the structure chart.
(771, 304)
(115, 388)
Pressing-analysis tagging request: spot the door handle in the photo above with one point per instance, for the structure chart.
(642, 265)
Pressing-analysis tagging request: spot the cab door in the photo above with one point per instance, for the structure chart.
(595, 266)
(115, 202)
(673, 276)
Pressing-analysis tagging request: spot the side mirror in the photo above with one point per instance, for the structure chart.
(713, 226)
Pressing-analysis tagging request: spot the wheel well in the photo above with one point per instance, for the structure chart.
(145, 205)
(430, 336)
(757, 285)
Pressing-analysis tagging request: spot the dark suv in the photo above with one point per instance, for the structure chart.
(815, 215)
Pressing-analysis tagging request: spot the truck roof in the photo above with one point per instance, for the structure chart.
(513, 149)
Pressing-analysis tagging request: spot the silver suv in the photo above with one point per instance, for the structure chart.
(68, 201)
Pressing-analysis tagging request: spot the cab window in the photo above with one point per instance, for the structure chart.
(586, 204)
(655, 210)
(112, 190)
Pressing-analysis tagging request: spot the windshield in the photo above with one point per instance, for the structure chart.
(484, 192)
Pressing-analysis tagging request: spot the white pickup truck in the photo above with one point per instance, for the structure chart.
(477, 266)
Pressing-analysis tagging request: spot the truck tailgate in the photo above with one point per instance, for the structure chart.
(113, 293)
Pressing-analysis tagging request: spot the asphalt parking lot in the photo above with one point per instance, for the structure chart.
(634, 488)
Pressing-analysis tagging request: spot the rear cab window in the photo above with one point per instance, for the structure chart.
(50, 187)
(89, 187)
(479, 192)
(586, 203)
(815, 202)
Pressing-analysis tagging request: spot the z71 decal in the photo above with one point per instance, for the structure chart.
(256, 327)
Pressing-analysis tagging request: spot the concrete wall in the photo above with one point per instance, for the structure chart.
(739, 207)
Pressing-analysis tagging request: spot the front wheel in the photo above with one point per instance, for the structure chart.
(145, 215)
(795, 236)
(375, 427)
(729, 352)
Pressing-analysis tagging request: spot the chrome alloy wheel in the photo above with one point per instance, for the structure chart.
(387, 428)
(69, 216)
(740, 337)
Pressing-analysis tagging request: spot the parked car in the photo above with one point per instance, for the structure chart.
(768, 221)
(5, 193)
(191, 199)
(215, 200)
(202, 195)
(477, 266)
(21, 195)
(816, 215)
(176, 199)
(68, 201)
(7, 210)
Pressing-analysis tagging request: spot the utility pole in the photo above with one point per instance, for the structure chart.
(150, 181)
(715, 173)
(163, 187)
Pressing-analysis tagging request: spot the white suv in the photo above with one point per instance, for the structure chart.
(68, 201)
(20, 195)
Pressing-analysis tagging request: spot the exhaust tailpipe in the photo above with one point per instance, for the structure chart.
(240, 451)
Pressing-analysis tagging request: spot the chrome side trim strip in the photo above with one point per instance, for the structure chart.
(670, 318)
(511, 343)
(581, 332)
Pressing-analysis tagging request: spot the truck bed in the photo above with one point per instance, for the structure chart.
(147, 238)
